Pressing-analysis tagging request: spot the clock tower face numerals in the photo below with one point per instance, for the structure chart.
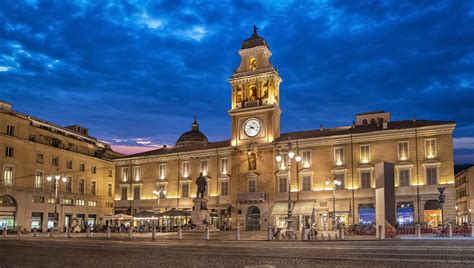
(252, 127)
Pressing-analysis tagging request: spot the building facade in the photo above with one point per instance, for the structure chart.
(464, 199)
(248, 188)
(35, 151)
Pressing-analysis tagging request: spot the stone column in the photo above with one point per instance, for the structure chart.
(88, 231)
(34, 232)
(108, 231)
(418, 230)
(237, 233)
(269, 233)
(450, 230)
(341, 233)
(130, 232)
(180, 233)
(153, 231)
(207, 233)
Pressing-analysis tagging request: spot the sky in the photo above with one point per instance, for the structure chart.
(136, 72)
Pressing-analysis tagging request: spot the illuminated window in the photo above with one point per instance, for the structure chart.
(403, 177)
(69, 184)
(365, 153)
(431, 175)
(92, 204)
(109, 189)
(185, 169)
(307, 183)
(252, 92)
(125, 174)
(136, 192)
(185, 190)
(162, 171)
(403, 153)
(340, 177)
(430, 148)
(80, 202)
(204, 167)
(67, 202)
(124, 193)
(365, 179)
(137, 173)
(282, 185)
(224, 166)
(253, 64)
(93, 187)
(81, 186)
(252, 185)
(8, 176)
(224, 188)
(39, 180)
(339, 156)
(306, 159)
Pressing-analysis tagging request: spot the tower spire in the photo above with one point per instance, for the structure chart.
(195, 125)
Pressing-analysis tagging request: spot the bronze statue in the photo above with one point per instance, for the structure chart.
(201, 183)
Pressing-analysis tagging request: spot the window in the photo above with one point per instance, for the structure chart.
(162, 171)
(80, 202)
(365, 153)
(110, 173)
(365, 180)
(38, 199)
(93, 187)
(39, 158)
(282, 185)
(185, 169)
(39, 180)
(55, 161)
(340, 177)
(109, 204)
(92, 204)
(69, 184)
(124, 174)
(81, 186)
(365, 122)
(11, 130)
(69, 164)
(431, 175)
(94, 169)
(224, 166)
(8, 176)
(51, 200)
(9, 151)
(252, 183)
(137, 173)
(185, 190)
(307, 183)
(430, 148)
(339, 156)
(82, 167)
(124, 193)
(136, 192)
(403, 153)
(66, 202)
(109, 189)
(282, 163)
(204, 167)
(306, 159)
(404, 177)
(224, 188)
(32, 137)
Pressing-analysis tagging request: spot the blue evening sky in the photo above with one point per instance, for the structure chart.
(136, 72)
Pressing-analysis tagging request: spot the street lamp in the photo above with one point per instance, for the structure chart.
(287, 153)
(55, 179)
(469, 216)
(335, 183)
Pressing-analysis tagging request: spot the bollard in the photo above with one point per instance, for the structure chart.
(303, 237)
(450, 230)
(108, 231)
(206, 232)
(341, 233)
(472, 230)
(68, 230)
(153, 232)
(269, 233)
(130, 233)
(418, 230)
(88, 231)
(180, 233)
(51, 233)
(381, 232)
(19, 232)
(34, 232)
(237, 233)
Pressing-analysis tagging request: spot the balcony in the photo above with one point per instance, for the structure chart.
(258, 197)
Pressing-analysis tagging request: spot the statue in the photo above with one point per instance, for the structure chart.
(252, 161)
(201, 183)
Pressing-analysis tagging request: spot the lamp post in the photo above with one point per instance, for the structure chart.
(457, 213)
(335, 183)
(55, 178)
(286, 153)
(441, 199)
(469, 216)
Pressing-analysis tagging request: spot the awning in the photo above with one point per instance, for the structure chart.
(119, 217)
(280, 208)
(432, 205)
(303, 208)
(176, 213)
(146, 215)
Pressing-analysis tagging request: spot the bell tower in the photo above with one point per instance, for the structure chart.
(255, 112)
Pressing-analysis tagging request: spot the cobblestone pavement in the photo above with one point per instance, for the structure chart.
(194, 251)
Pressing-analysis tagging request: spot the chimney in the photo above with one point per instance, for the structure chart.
(5, 106)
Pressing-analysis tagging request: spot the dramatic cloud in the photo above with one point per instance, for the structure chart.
(145, 68)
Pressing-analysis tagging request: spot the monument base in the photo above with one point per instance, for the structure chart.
(200, 216)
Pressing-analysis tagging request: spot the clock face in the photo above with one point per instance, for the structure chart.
(252, 127)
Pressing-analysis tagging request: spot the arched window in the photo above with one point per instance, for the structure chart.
(253, 63)
(372, 121)
(364, 122)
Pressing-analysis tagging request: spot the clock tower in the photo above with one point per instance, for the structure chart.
(255, 112)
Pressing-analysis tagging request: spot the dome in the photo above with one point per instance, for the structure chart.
(193, 137)
(254, 41)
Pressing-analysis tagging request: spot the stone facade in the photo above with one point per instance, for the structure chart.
(32, 150)
(464, 199)
(249, 188)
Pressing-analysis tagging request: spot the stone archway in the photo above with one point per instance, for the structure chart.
(8, 208)
(253, 220)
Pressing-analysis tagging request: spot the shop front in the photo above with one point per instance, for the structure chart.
(432, 213)
(305, 213)
(405, 213)
(8, 210)
(366, 214)
(280, 214)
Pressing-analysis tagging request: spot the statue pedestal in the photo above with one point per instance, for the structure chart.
(200, 216)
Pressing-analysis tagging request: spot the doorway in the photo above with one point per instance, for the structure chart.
(253, 219)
